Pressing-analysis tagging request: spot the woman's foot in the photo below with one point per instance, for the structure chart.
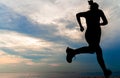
(107, 73)
(70, 54)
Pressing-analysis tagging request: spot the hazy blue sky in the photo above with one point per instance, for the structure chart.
(35, 33)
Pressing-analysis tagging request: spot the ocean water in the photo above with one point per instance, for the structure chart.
(50, 75)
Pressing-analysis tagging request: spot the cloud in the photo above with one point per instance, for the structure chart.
(54, 65)
(27, 49)
(26, 24)
(20, 42)
(41, 11)
(27, 39)
(17, 48)
(110, 32)
(69, 31)
(11, 59)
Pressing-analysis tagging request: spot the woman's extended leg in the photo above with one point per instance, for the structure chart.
(100, 60)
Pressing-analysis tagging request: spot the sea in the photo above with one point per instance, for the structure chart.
(56, 75)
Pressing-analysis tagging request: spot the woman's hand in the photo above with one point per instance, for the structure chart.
(81, 28)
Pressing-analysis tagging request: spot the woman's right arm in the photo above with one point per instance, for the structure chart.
(78, 15)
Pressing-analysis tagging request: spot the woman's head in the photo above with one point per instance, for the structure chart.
(94, 6)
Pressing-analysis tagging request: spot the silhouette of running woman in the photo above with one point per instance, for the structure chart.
(92, 35)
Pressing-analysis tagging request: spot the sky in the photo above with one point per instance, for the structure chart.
(34, 35)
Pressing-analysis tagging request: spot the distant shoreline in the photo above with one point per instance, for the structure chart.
(56, 75)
